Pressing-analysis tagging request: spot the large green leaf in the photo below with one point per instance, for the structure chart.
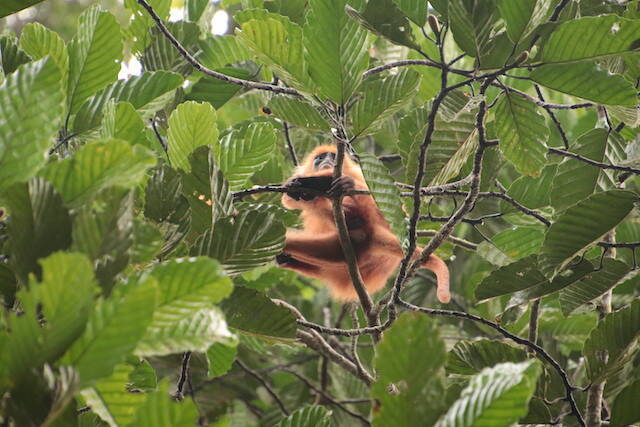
(471, 357)
(524, 275)
(113, 330)
(140, 31)
(243, 152)
(592, 38)
(519, 242)
(415, 10)
(576, 180)
(617, 334)
(252, 312)
(496, 396)
(215, 91)
(195, 9)
(220, 358)
(384, 192)
(160, 410)
(221, 51)
(187, 287)
(95, 54)
(122, 121)
(625, 410)
(581, 226)
(522, 132)
(471, 24)
(11, 56)
(316, 416)
(248, 240)
(383, 98)
(147, 92)
(383, 18)
(160, 54)
(297, 112)
(11, 6)
(96, 166)
(416, 373)
(40, 225)
(38, 41)
(592, 285)
(532, 192)
(111, 400)
(523, 17)
(277, 42)
(63, 299)
(191, 125)
(31, 103)
(336, 49)
(586, 80)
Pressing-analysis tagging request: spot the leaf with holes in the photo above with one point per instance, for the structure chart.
(522, 132)
(505, 391)
(95, 54)
(31, 102)
(382, 99)
(336, 49)
(248, 240)
(191, 125)
(581, 226)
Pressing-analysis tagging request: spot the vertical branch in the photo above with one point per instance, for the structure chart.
(287, 138)
(596, 391)
(533, 324)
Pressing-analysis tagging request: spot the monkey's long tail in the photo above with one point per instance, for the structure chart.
(439, 267)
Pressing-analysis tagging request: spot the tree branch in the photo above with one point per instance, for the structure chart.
(593, 162)
(265, 384)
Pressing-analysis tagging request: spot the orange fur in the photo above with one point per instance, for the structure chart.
(316, 249)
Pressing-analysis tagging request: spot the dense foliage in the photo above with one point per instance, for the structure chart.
(137, 274)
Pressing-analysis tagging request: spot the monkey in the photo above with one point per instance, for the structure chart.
(315, 251)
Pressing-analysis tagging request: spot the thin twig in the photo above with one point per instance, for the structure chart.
(265, 384)
(455, 240)
(184, 375)
(287, 138)
(593, 162)
(554, 119)
(62, 142)
(200, 67)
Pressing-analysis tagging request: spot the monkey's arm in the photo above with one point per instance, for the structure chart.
(311, 248)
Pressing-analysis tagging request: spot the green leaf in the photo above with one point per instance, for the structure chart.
(625, 410)
(220, 358)
(38, 41)
(140, 31)
(385, 193)
(522, 132)
(63, 298)
(221, 51)
(586, 80)
(383, 18)
(191, 125)
(277, 42)
(592, 38)
(121, 121)
(576, 180)
(31, 101)
(195, 9)
(161, 410)
(215, 91)
(523, 275)
(581, 226)
(111, 400)
(382, 99)
(519, 242)
(523, 17)
(113, 330)
(336, 49)
(160, 54)
(471, 24)
(243, 152)
(96, 166)
(147, 93)
(497, 396)
(531, 192)
(40, 225)
(252, 312)
(415, 10)
(95, 54)
(187, 287)
(471, 357)
(415, 375)
(248, 240)
(316, 416)
(11, 57)
(297, 112)
(617, 334)
(11, 6)
(592, 285)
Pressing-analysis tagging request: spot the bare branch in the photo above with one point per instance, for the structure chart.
(265, 384)
(455, 240)
(593, 162)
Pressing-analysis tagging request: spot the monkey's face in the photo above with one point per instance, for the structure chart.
(326, 160)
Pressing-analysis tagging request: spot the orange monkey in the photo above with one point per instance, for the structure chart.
(315, 250)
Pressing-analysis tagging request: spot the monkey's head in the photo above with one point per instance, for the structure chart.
(321, 161)
(325, 160)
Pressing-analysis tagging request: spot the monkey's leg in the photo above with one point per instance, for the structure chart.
(288, 262)
(322, 250)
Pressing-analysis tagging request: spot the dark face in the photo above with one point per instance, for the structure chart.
(324, 160)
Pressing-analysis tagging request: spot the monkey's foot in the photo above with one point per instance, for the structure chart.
(284, 259)
(341, 185)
